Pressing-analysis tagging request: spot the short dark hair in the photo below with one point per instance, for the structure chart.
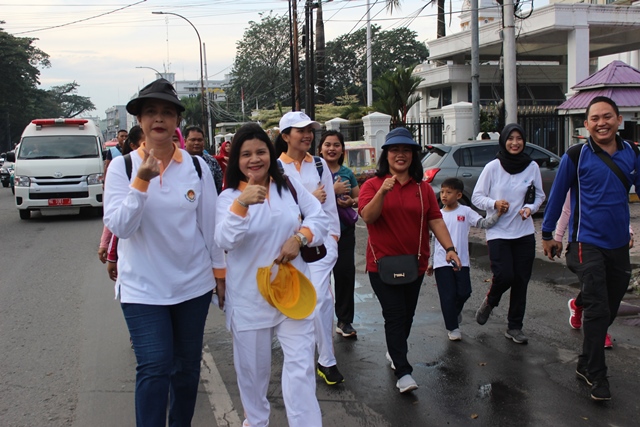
(602, 99)
(415, 168)
(453, 183)
(134, 137)
(233, 175)
(327, 134)
(191, 128)
(122, 130)
(485, 135)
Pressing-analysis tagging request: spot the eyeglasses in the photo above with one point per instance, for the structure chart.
(195, 139)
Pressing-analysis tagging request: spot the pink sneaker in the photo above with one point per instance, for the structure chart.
(575, 316)
(608, 343)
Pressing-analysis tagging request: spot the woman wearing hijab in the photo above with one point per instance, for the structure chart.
(511, 184)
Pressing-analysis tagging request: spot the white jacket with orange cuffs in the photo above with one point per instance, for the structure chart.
(166, 229)
(253, 237)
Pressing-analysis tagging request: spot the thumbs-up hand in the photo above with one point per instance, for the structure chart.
(320, 193)
(387, 185)
(341, 187)
(150, 166)
(253, 193)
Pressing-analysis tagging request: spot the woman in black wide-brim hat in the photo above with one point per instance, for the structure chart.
(161, 203)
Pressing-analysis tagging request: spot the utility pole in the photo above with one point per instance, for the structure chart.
(208, 100)
(369, 69)
(295, 64)
(475, 67)
(320, 55)
(309, 80)
(509, 63)
(293, 80)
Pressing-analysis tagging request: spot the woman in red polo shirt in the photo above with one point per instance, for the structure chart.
(399, 210)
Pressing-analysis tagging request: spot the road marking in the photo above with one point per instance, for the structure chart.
(219, 398)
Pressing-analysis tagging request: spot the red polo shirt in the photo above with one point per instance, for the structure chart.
(396, 231)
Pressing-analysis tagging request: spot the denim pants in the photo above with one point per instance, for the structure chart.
(398, 307)
(511, 265)
(454, 289)
(344, 275)
(167, 340)
(604, 276)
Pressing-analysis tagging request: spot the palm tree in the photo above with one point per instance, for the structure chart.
(397, 93)
(441, 29)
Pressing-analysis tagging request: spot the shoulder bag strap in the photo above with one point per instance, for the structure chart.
(611, 164)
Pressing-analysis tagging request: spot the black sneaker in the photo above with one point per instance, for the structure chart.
(331, 375)
(483, 313)
(346, 330)
(600, 390)
(582, 374)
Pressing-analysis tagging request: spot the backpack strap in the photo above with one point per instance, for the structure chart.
(128, 166)
(319, 166)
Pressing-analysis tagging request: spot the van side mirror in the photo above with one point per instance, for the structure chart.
(11, 157)
(553, 163)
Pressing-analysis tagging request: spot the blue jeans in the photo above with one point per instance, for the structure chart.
(398, 304)
(167, 340)
(454, 289)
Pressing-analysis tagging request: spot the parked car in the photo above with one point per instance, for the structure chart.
(5, 173)
(465, 161)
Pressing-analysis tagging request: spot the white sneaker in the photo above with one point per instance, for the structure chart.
(388, 356)
(455, 335)
(406, 384)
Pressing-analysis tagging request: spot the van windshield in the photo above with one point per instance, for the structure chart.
(58, 147)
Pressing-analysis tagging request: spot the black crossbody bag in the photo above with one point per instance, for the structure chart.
(401, 269)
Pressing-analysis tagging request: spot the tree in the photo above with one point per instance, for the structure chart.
(441, 28)
(261, 70)
(347, 70)
(192, 114)
(19, 60)
(65, 102)
(397, 93)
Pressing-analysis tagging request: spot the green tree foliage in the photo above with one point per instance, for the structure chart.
(63, 101)
(261, 69)
(397, 93)
(192, 114)
(346, 58)
(19, 60)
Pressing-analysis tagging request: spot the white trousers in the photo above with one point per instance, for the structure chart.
(321, 279)
(252, 360)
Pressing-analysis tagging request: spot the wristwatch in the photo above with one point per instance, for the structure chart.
(452, 248)
(303, 239)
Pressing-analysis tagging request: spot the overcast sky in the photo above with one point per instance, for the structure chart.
(99, 43)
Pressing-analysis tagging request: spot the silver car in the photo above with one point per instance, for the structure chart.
(465, 161)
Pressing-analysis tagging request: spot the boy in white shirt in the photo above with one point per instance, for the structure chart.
(454, 287)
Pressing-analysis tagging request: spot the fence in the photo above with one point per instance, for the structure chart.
(546, 130)
(427, 133)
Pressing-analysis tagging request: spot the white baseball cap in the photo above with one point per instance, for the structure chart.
(297, 119)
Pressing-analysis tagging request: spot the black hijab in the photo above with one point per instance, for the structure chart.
(512, 163)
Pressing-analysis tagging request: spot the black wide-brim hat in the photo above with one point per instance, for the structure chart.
(159, 89)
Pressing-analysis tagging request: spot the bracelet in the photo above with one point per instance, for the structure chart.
(452, 248)
(298, 239)
(241, 203)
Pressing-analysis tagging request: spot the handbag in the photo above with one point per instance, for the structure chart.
(308, 254)
(530, 196)
(348, 216)
(400, 269)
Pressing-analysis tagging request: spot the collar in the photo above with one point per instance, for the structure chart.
(286, 159)
(177, 154)
(596, 148)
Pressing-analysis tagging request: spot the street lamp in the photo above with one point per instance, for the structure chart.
(204, 111)
(151, 68)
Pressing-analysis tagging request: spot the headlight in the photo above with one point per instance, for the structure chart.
(95, 178)
(21, 181)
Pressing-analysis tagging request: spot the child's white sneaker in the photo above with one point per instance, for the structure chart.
(455, 335)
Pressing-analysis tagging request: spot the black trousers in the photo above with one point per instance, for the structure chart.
(511, 265)
(398, 307)
(604, 276)
(344, 275)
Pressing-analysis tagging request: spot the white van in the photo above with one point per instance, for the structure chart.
(58, 167)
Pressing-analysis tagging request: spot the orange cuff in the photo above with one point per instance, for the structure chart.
(238, 209)
(220, 273)
(140, 184)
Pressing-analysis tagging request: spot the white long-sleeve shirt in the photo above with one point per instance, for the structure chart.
(307, 175)
(166, 250)
(494, 184)
(254, 241)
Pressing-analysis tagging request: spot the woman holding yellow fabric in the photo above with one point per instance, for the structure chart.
(259, 223)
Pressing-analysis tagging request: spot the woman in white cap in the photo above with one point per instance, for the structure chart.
(260, 223)
(293, 144)
(399, 210)
(161, 203)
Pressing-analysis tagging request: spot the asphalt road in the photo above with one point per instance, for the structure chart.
(65, 358)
